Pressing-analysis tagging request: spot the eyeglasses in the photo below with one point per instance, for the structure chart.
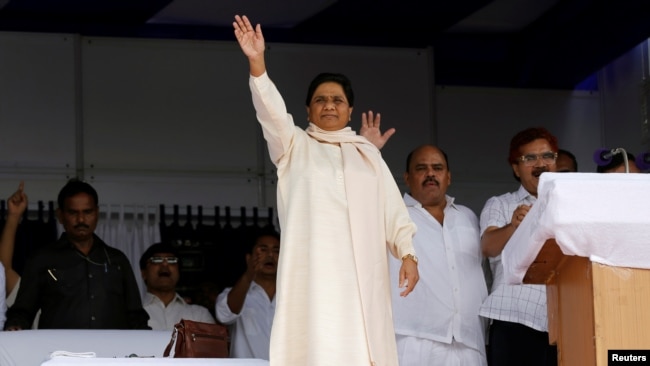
(159, 260)
(531, 159)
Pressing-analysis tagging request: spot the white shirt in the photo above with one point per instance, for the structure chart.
(250, 330)
(3, 295)
(444, 306)
(163, 317)
(523, 304)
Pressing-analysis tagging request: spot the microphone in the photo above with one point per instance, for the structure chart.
(643, 161)
(603, 157)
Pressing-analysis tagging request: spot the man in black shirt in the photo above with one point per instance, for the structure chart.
(78, 282)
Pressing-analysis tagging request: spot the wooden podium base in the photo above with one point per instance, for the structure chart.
(592, 308)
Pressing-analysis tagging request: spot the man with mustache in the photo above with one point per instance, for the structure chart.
(160, 272)
(439, 324)
(249, 306)
(519, 329)
(78, 282)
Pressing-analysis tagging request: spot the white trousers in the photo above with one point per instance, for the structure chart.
(414, 351)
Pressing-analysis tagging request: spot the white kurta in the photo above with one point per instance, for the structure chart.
(333, 298)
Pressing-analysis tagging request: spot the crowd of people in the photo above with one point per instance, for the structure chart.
(361, 275)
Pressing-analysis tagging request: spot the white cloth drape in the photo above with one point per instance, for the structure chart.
(131, 229)
(603, 217)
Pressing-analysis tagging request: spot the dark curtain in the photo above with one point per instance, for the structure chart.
(212, 255)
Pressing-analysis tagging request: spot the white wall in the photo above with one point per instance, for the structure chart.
(166, 121)
(475, 126)
(37, 112)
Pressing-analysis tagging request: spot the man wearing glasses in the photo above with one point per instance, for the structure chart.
(519, 326)
(159, 269)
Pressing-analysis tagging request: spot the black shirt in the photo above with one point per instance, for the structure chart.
(75, 291)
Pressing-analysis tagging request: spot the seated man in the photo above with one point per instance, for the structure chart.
(159, 269)
(249, 306)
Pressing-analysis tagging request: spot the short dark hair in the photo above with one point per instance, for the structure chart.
(261, 233)
(570, 155)
(617, 160)
(328, 77)
(410, 156)
(73, 188)
(156, 248)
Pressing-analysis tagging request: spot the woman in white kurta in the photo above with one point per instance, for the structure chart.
(339, 209)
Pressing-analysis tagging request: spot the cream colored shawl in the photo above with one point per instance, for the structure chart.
(364, 187)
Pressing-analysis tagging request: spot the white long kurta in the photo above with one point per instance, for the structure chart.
(333, 296)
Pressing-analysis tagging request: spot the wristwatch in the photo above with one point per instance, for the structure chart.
(411, 257)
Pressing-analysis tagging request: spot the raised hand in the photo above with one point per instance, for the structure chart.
(370, 129)
(250, 40)
(17, 202)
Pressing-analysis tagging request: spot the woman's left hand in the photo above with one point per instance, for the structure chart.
(408, 276)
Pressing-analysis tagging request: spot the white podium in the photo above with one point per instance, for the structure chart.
(588, 239)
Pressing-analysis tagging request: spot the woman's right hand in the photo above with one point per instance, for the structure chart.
(250, 40)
